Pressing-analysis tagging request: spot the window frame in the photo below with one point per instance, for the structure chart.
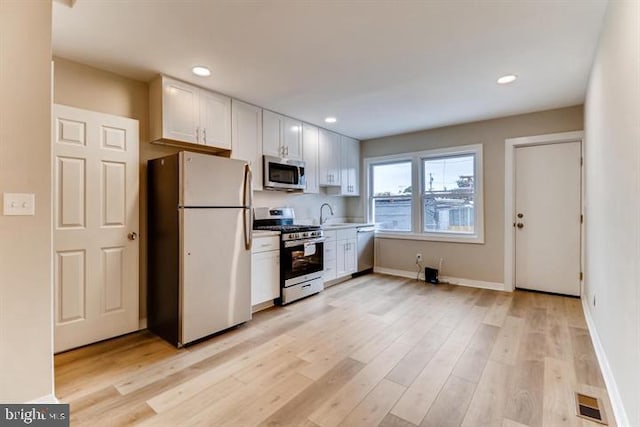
(417, 207)
(389, 160)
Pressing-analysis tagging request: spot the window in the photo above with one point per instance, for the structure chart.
(428, 195)
(449, 194)
(391, 195)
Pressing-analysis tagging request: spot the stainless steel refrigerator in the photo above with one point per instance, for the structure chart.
(199, 245)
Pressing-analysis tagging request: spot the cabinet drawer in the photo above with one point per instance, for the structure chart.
(264, 244)
(346, 233)
(329, 235)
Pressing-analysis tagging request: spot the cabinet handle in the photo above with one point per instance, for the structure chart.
(204, 135)
(286, 151)
(197, 134)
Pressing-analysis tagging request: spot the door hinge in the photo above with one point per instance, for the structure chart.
(581, 219)
(581, 161)
(581, 275)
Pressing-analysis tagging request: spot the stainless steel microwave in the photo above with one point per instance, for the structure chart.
(284, 174)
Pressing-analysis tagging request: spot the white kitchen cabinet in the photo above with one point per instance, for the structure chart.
(184, 113)
(329, 158)
(330, 259)
(246, 138)
(265, 269)
(350, 170)
(281, 136)
(346, 254)
(310, 139)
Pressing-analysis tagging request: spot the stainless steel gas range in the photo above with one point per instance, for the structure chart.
(301, 253)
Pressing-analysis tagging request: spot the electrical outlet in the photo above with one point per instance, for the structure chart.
(418, 258)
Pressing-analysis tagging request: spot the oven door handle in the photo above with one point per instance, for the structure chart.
(293, 243)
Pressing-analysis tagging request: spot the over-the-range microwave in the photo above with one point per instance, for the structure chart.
(284, 174)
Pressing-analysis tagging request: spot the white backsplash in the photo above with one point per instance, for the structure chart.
(306, 206)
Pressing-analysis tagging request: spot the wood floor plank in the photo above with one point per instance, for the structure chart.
(507, 345)
(377, 350)
(559, 386)
(585, 361)
(487, 406)
(525, 393)
(450, 406)
(296, 411)
(375, 405)
(416, 401)
(351, 394)
(498, 311)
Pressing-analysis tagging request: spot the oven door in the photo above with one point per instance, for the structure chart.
(301, 260)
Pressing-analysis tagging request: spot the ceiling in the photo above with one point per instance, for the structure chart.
(380, 67)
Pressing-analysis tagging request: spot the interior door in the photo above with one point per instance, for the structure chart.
(547, 217)
(95, 192)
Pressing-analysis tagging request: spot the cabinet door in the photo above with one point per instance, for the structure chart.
(329, 158)
(351, 258)
(272, 133)
(330, 263)
(341, 258)
(265, 277)
(350, 169)
(292, 142)
(246, 138)
(215, 120)
(180, 119)
(310, 156)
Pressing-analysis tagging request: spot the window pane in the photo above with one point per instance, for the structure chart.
(391, 190)
(448, 200)
(392, 179)
(392, 214)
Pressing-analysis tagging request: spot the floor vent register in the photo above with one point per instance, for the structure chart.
(589, 407)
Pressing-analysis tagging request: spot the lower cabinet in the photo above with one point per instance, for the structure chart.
(330, 263)
(340, 253)
(265, 270)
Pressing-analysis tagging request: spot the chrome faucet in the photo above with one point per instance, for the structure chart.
(330, 210)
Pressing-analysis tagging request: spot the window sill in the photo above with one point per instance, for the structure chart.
(451, 238)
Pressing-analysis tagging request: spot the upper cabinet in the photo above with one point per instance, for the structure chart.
(329, 162)
(246, 137)
(281, 136)
(350, 171)
(310, 139)
(183, 113)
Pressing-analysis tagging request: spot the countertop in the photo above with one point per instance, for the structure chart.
(343, 225)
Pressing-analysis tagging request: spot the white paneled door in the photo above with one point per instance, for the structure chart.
(547, 217)
(95, 192)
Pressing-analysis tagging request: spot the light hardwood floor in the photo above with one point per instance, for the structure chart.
(376, 350)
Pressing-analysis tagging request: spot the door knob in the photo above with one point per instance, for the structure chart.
(520, 215)
(132, 236)
(519, 225)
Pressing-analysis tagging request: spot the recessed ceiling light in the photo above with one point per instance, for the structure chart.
(201, 71)
(330, 120)
(509, 78)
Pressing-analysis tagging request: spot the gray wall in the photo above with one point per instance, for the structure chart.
(482, 262)
(612, 214)
(26, 288)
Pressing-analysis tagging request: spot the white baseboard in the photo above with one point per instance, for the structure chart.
(495, 286)
(619, 412)
(394, 272)
(49, 398)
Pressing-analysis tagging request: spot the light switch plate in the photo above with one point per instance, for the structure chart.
(19, 204)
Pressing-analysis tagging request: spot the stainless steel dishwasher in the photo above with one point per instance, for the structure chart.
(365, 247)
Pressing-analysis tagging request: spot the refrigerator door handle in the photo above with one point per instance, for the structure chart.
(247, 201)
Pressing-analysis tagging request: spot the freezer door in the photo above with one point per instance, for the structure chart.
(212, 181)
(216, 272)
